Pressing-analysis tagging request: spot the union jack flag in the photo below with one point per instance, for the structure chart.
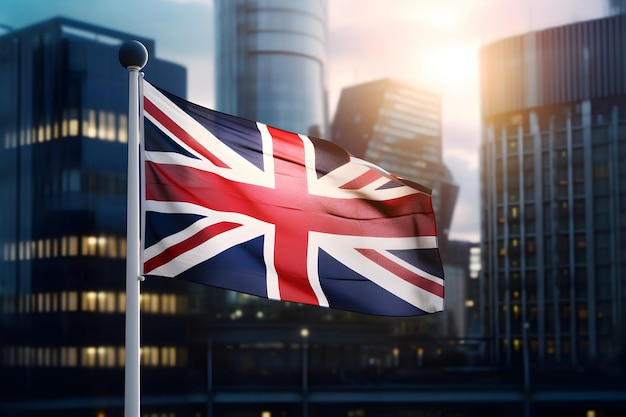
(237, 204)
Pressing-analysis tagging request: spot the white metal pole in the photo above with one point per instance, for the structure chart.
(132, 381)
(133, 56)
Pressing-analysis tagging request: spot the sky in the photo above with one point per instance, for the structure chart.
(432, 44)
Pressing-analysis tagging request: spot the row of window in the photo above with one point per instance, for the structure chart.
(400, 100)
(91, 356)
(90, 123)
(407, 121)
(93, 183)
(106, 246)
(92, 301)
(550, 346)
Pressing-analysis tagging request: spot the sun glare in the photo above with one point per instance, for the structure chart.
(451, 63)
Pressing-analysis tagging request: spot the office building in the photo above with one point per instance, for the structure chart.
(397, 126)
(554, 195)
(271, 62)
(617, 6)
(63, 162)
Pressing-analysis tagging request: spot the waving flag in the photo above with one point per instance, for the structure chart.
(237, 204)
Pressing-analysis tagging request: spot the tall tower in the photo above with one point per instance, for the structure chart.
(554, 194)
(271, 62)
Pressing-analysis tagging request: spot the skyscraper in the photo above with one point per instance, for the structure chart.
(63, 147)
(398, 127)
(271, 62)
(554, 195)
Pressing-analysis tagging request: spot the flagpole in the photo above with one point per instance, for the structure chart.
(133, 56)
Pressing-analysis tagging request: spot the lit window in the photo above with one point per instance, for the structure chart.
(516, 312)
(106, 302)
(88, 357)
(149, 303)
(102, 120)
(73, 246)
(88, 247)
(168, 302)
(149, 356)
(111, 244)
(122, 247)
(40, 303)
(122, 129)
(121, 302)
(121, 356)
(107, 357)
(73, 122)
(89, 300)
(102, 245)
(89, 123)
(168, 356)
(516, 345)
(110, 126)
(72, 301)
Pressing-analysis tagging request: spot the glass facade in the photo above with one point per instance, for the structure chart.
(63, 154)
(271, 62)
(554, 196)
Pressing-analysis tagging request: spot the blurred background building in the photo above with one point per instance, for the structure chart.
(554, 196)
(63, 163)
(617, 6)
(213, 352)
(271, 62)
(397, 126)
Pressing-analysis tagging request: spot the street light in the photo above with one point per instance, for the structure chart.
(304, 334)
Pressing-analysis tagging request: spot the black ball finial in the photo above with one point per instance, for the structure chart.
(133, 54)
